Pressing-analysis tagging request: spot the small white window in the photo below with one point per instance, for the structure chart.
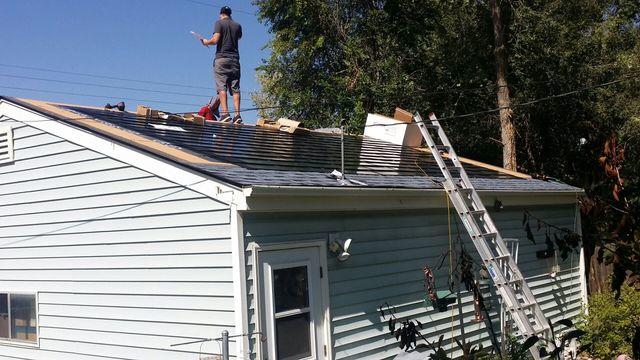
(292, 312)
(6, 144)
(18, 320)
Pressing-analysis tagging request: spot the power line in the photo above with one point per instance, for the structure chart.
(106, 85)
(527, 103)
(102, 85)
(104, 76)
(211, 5)
(531, 102)
(107, 216)
(449, 91)
(121, 115)
(103, 96)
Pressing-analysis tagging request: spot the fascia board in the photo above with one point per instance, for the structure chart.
(280, 198)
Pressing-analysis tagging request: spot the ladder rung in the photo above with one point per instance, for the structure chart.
(504, 272)
(512, 281)
(544, 329)
(508, 282)
(489, 234)
(465, 191)
(522, 306)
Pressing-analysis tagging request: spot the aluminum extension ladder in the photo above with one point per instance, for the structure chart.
(518, 299)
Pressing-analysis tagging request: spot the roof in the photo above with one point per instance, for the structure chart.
(245, 155)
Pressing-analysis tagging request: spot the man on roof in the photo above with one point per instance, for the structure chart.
(226, 66)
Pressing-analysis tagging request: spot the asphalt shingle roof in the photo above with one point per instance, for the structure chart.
(260, 156)
(319, 179)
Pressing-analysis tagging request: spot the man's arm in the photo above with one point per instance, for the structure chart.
(214, 40)
(217, 29)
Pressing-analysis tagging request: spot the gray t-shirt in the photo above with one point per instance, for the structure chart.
(230, 31)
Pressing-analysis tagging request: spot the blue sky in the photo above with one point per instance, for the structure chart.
(145, 40)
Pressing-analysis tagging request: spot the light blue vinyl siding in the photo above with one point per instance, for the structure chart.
(124, 262)
(389, 250)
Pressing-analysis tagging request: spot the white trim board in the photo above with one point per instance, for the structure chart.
(239, 281)
(256, 249)
(154, 165)
(280, 198)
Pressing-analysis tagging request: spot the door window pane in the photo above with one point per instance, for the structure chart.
(294, 337)
(4, 316)
(23, 317)
(291, 288)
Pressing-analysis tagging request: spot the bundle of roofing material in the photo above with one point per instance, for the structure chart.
(194, 118)
(149, 113)
(283, 124)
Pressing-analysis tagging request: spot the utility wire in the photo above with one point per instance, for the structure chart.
(527, 103)
(212, 5)
(113, 86)
(103, 96)
(104, 76)
(462, 116)
(102, 85)
(121, 115)
(435, 92)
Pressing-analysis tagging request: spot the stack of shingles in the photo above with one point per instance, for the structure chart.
(282, 124)
(147, 112)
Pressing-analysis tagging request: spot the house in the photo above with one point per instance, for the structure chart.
(121, 235)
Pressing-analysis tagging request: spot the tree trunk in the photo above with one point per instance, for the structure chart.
(506, 123)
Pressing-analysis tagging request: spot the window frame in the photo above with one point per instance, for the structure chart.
(19, 342)
(310, 309)
(257, 251)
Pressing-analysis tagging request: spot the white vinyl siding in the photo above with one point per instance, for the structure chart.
(388, 252)
(125, 263)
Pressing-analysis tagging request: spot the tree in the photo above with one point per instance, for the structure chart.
(338, 59)
(507, 127)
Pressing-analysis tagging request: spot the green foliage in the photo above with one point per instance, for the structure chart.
(611, 323)
(335, 59)
(630, 141)
(515, 350)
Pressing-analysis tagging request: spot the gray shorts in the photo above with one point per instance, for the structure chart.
(227, 72)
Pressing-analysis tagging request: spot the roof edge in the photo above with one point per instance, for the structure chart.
(270, 190)
(292, 199)
(484, 165)
(52, 110)
(144, 159)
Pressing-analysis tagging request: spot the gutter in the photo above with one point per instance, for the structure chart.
(276, 190)
(322, 199)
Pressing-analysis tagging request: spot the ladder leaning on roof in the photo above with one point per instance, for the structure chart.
(518, 299)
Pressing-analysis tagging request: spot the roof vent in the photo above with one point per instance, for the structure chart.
(400, 130)
(6, 144)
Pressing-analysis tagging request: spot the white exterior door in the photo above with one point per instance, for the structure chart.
(293, 306)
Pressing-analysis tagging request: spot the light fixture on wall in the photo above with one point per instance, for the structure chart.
(340, 248)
